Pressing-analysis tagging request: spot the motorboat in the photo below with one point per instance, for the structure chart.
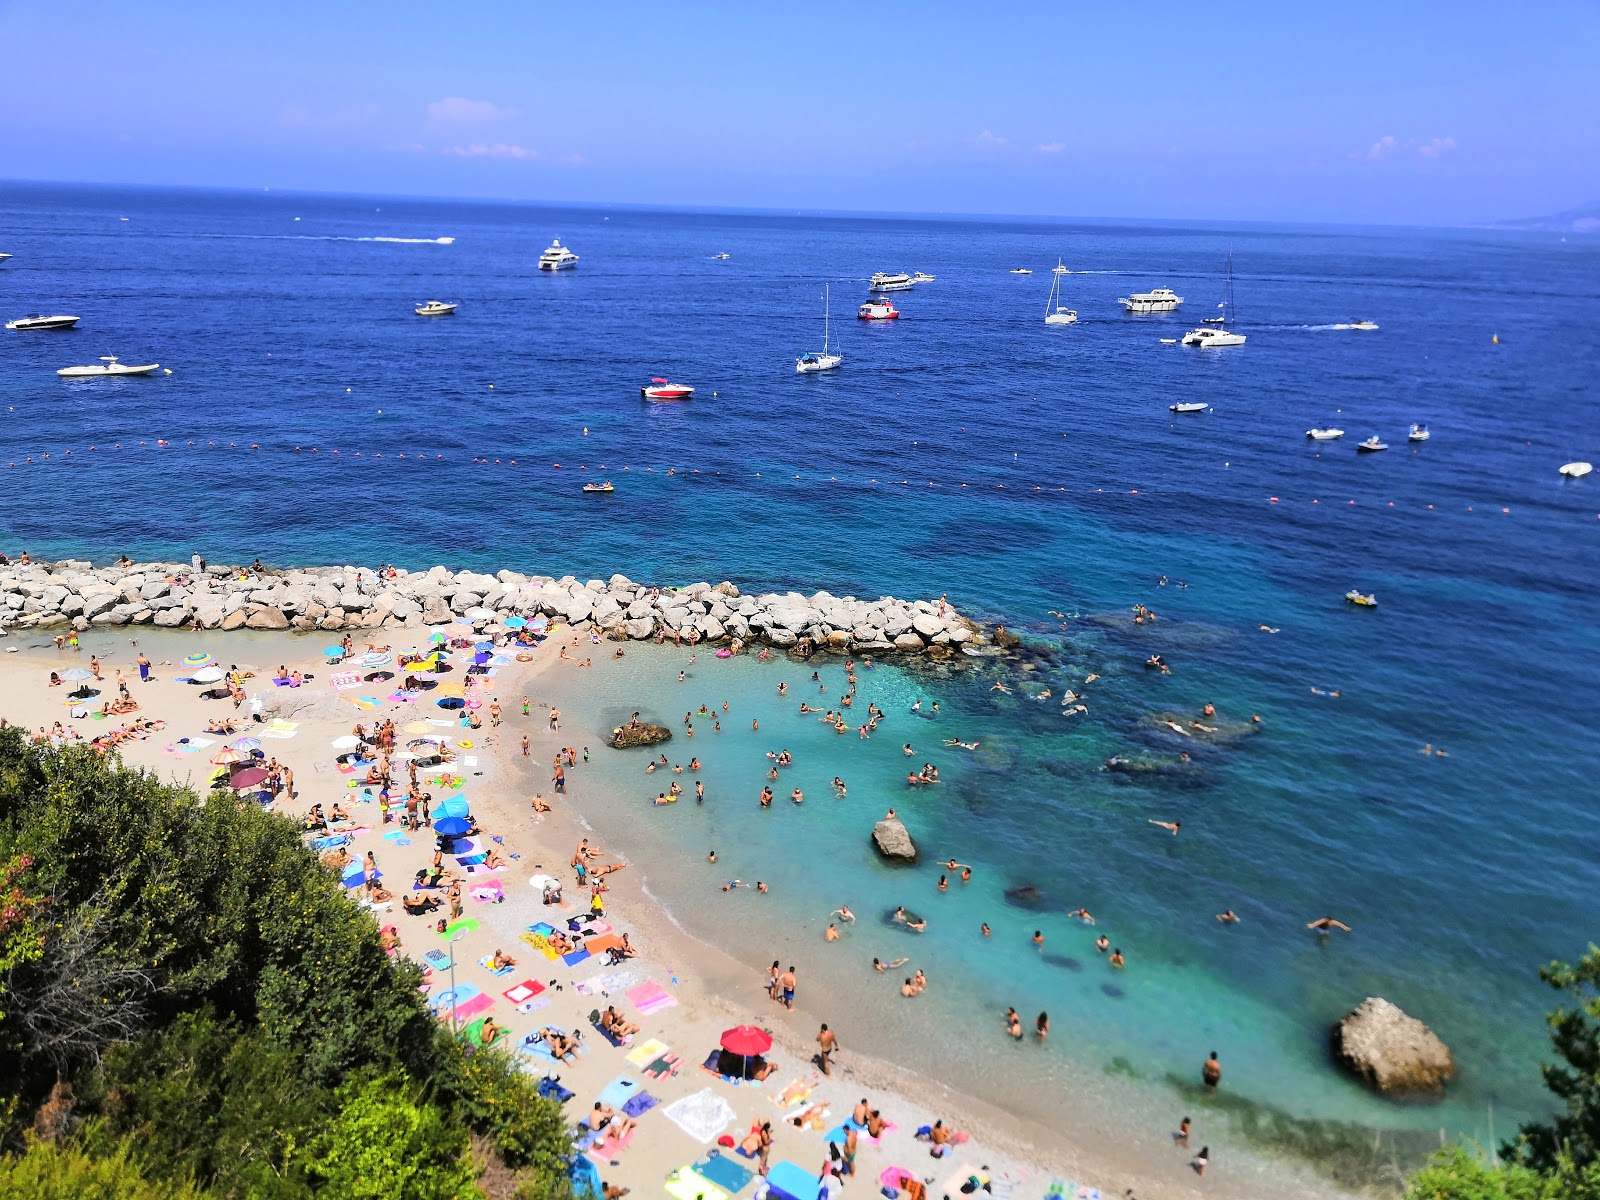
(1325, 433)
(3, 257)
(923, 277)
(882, 281)
(878, 310)
(598, 488)
(435, 308)
(723, 255)
(661, 389)
(1212, 337)
(108, 366)
(1188, 406)
(557, 258)
(41, 321)
(811, 361)
(1157, 300)
(1055, 312)
(1371, 445)
(1363, 324)
(1356, 598)
(1213, 320)
(1419, 433)
(1577, 470)
(1021, 271)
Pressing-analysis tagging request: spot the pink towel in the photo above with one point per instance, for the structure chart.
(468, 1009)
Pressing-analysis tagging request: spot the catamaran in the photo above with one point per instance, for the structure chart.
(1056, 313)
(811, 361)
(1215, 334)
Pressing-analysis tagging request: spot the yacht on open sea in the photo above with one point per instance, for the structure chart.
(1157, 300)
(41, 321)
(108, 366)
(882, 281)
(811, 361)
(1213, 334)
(557, 258)
(1055, 312)
(435, 308)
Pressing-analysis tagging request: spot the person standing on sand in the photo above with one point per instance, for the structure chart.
(1211, 1072)
(144, 668)
(494, 714)
(527, 747)
(772, 979)
(786, 982)
(827, 1043)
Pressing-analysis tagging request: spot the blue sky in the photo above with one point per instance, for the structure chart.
(1401, 112)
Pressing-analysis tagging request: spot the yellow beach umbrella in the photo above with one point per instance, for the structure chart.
(227, 756)
(451, 689)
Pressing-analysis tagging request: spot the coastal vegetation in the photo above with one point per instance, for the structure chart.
(191, 1007)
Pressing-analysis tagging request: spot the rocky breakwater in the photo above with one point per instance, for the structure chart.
(1391, 1052)
(77, 594)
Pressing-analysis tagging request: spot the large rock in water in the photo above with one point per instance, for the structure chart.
(890, 837)
(1391, 1052)
(627, 736)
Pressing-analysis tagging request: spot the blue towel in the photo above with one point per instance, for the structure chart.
(722, 1171)
(640, 1104)
(618, 1092)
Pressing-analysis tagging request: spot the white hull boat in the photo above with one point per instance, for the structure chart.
(878, 310)
(882, 281)
(557, 258)
(1371, 446)
(1021, 271)
(41, 321)
(435, 308)
(1056, 313)
(1157, 300)
(1577, 470)
(661, 389)
(1419, 433)
(1190, 406)
(922, 277)
(1212, 338)
(1325, 433)
(108, 366)
(811, 362)
(1364, 325)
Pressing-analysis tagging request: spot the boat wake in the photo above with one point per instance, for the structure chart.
(313, 237)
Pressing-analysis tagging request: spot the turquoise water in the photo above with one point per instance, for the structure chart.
(1459, 874)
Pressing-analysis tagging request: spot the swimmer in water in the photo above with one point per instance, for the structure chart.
(843, 913)
(831, 934)
(1102, 943)
(1228, 918)
(986, 930)
(1083, 915)
(1326, 925)
(1174, 826)
(1000, 687)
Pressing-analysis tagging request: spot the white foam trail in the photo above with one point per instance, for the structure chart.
(313, 237)
(444, 241)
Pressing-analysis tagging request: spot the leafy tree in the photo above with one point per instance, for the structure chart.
(45, 1171)
(384, 1146)
(487, 1092)
(1456, 1174)
(1575, 1032)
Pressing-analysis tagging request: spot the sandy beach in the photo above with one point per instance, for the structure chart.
(682, 993)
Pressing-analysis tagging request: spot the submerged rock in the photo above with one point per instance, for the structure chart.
(1391, 1052)
(625, 737)
(893, 841)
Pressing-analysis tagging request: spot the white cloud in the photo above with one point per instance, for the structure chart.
(1436, 147)
(1050, 147)
(989, 138)
(458, 110)
(491, 150)
(1382, 148)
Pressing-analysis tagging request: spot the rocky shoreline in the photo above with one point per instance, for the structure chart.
(74, 593)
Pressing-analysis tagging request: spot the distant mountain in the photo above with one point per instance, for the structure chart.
(1574, 220)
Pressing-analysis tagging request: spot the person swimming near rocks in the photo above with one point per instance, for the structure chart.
(957, 742)
(1228, 918)
(1333, 695)
(909, 920)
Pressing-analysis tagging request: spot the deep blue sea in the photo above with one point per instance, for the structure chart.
(965, 449)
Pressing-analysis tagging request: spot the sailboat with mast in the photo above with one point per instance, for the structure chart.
(1214, 332)
(1055, 312)
(811, 361)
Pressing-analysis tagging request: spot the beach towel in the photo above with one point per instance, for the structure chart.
(487, 963)
(610, 1145)
(702, 1115)
(340, 680)
(535, 1046)
(786, 1181)
(643, 1056)
(618, 1092)
(437, 959)
(723, 1171)
(961, 1181)
(488, 893)
(461, 992)
(551, 1089)
(650, 997)
(463, 925)
(526, 990)
(473, 1034)
(663, 1066)
(576, 957)
(599, 945)
(686, 1183)
(462, 1011)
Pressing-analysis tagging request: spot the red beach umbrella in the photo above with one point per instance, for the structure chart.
(248, 777)
(746, 1040)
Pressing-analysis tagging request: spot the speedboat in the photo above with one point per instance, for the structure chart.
(3, 257)
(660, 389)
(1371, 445)
(1021, 271)
(40, 321)
(557, 258)
(884, 282)
(724, 254)
(1213, 320)
(1419, 433)
(1363, 324)
(1157, 300)
(1367, 601)
(1325, 433)
(1188, 406)
(921, 277)
(1577, 470)
(108, 366)
(595, 488)
(435, 308)
(878, 310)
(1212, 337)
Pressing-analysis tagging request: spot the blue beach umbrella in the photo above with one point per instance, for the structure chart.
(515, 622)
(333, 651)
(452, 808)
(452, 827)
(481, 658)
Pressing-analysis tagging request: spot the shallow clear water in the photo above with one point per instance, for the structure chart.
(1459, 875)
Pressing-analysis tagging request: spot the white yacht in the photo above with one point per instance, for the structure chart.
(923, 277)
(722, 256)
(1188, 406)
(811, 361)
(557, 258)
(1211, 338)
(435, 308)
(3, 257)
(1419, 433)
(1213, 332)
(1576, 470)
(40, 321)
(882, 281)
(1021, 271)
(1156, 300)
(1055, 312)
(1371, 445)
(108, 366)
(1325, 433)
